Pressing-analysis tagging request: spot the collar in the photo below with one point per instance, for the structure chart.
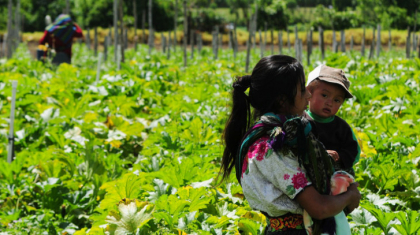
(320, 119)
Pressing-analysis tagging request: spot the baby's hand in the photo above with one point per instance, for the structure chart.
(334, 155)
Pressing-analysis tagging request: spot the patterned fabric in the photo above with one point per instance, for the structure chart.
(62, 28)
(301, 161)
(285, 222)
(272, 179)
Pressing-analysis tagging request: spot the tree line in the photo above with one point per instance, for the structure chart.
(203, 14)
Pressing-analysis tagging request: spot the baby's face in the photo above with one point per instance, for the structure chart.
(326, 99)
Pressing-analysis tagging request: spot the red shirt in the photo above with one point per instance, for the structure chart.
(58, 44)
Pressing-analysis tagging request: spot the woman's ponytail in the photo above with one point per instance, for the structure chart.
(237, 124)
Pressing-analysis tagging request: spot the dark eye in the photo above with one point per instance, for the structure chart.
(324, 95)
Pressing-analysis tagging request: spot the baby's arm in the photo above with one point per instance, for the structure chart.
(334, 155)
(349, 149)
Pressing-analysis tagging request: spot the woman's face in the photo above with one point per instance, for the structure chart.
(301, 101)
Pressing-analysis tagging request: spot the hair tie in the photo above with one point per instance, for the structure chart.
(243, 83)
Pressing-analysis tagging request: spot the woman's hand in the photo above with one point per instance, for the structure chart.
(321, 206)
(356, 196)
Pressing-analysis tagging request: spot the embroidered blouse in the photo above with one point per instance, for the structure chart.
(271, 179)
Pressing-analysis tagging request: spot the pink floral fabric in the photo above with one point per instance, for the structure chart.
(259, 149)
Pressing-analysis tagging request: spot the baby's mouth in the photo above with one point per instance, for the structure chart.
(326, 110)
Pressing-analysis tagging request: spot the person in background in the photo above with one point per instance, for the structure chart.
(282, 168)
(59, 35)
(330, 88)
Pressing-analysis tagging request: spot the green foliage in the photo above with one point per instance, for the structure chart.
(139, 150)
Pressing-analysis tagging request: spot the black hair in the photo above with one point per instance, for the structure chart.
(272, 88)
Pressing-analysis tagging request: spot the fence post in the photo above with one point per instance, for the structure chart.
(185, 32)
(389, 40)
(372, 45)
(10, 151)
(116, 29)
(168, 52)
(151, 33)
(143, 27)
(407, 45)
(248, 45)
(261, 44)
(9, 37)
(272, 41)
(378, 41)
(280, 42)
(98, 70)
(95, 41)
(363, 41)
(135, 24)
(175, 24)
(321, 42)
(192, 36)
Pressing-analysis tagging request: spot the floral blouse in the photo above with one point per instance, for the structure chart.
(271, 179)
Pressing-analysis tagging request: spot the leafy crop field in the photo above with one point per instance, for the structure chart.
(138, 151)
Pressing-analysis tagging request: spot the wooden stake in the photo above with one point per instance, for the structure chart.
(272, 41)
(265, 36)
(10, 151)
(118, 57)
(363, 41)
(95, 41)
(321, 42)
(151, 38)
(185, 32)
(248, 45)
(168, 52)
(407, 45)
(343, 41)
(135, 23)
(309, 46)
(106, 44)
(98, 70)
(115, 29)
(9, 51)
(378, 42)
(192, 36)
(199, 42)
(143, 27)
(67, 10)
(261, 44)
(280, 42)
(372, 45)
(389, 40)
(163, 41)
(88, 39)
(175, 24)
(235, 42)
(122, 34)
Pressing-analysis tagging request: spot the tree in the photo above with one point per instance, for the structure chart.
(236, 5)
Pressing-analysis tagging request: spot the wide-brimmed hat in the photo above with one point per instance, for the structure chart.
(331, 75)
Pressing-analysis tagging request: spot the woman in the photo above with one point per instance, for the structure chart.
(60, 36)
(281, 167)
